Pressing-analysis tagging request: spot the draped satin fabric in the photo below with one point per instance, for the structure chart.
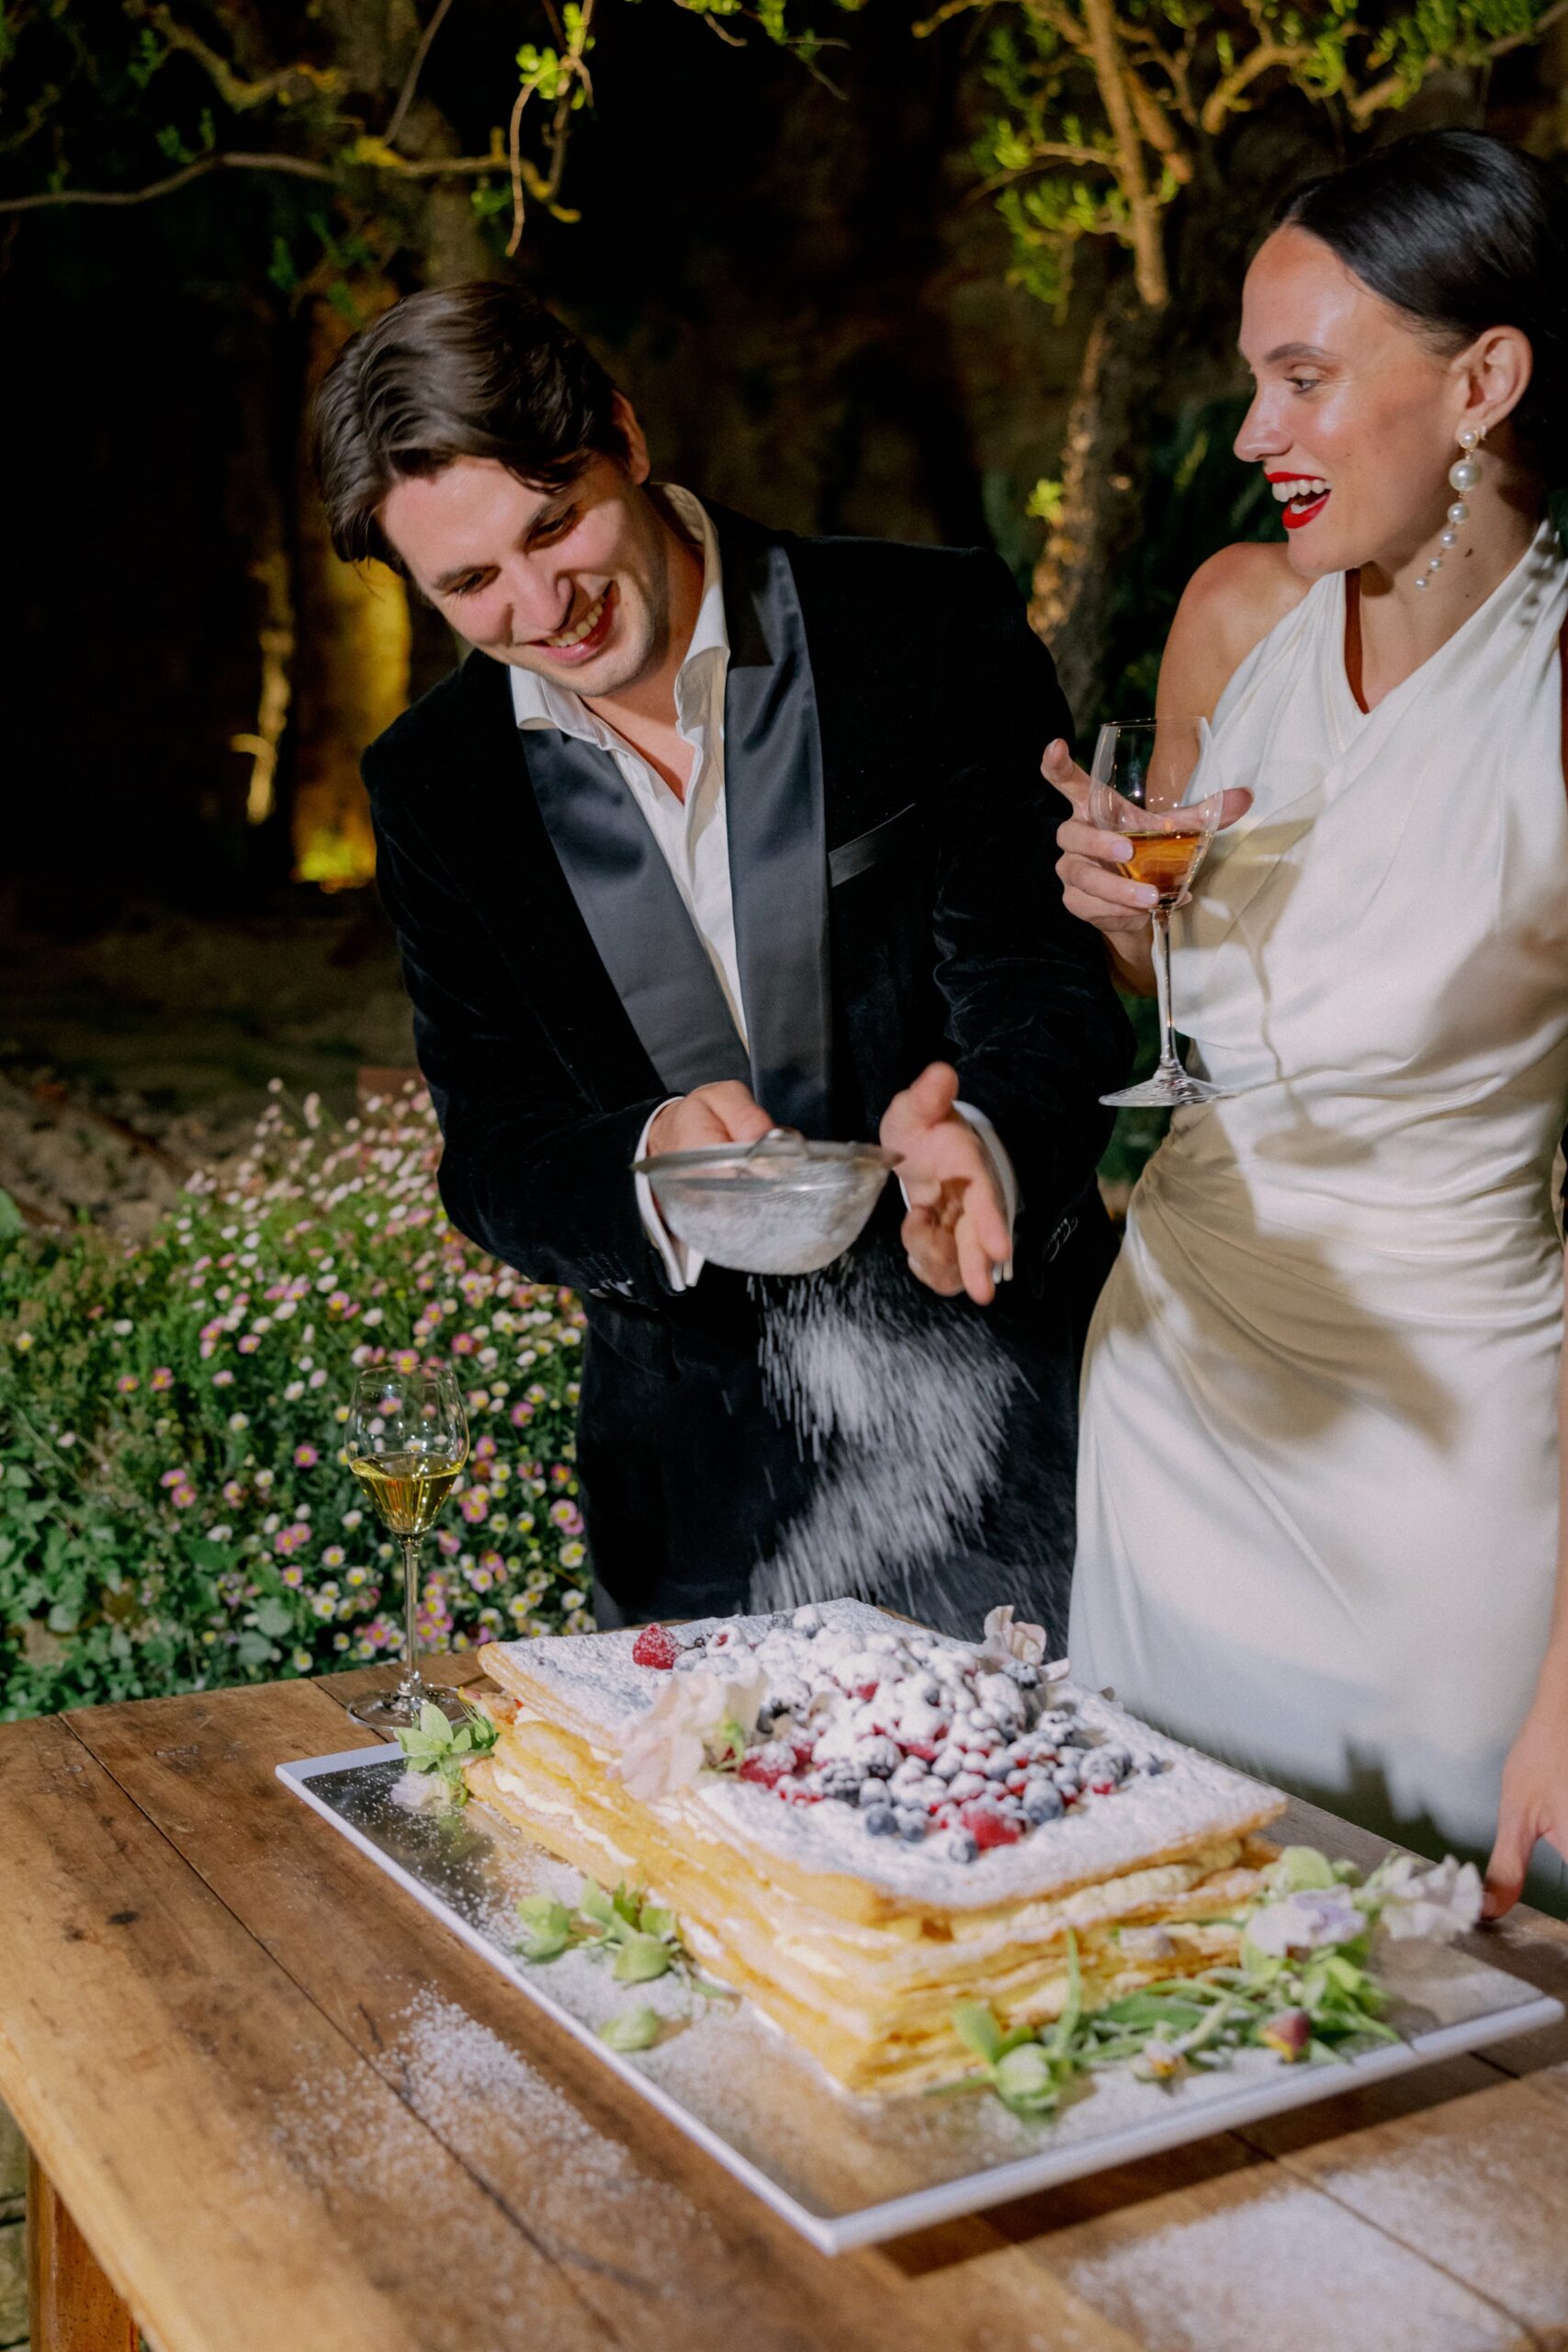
(1317, 1494)
(778, 862)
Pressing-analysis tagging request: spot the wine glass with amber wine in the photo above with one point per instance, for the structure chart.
(407, 1443)
(1150, 783)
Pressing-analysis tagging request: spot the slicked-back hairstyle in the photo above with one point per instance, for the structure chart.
(480, 369)
(1462, 232)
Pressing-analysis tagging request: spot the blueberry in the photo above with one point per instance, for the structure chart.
(879, 1820)
(1043, 1804)
(1017, 1671)
(962, 1846)
(912, 1827)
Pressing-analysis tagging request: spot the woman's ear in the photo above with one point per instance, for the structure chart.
(1495, 374)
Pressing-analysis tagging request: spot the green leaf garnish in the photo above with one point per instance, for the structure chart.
(435, 1744)
(633, 2030)
(978, 2030)
(595, 1904)
(640, 1959)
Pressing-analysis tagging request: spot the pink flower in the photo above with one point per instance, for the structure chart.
(248, 1345)
(521, 1412)
(172, 1478)
(484, 1449)
(406, 1360)
(222, 1380)
(474, 1505)
(305, 1457)
(448, 1544)
(292, 1573)
(233, 1493)
(567, 1517)
(163, 1378)
(184, 1497)
(464, 1344)
(1006, 1639)
(290, 1539)
(126, 1384)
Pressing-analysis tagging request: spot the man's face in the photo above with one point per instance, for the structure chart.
(572, 582)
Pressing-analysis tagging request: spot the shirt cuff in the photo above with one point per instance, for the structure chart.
(681, 1262)
(1001, 1168)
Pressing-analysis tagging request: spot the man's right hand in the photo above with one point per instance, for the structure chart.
(724, 1112)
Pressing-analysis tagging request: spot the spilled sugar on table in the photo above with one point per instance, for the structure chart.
(274, 2107)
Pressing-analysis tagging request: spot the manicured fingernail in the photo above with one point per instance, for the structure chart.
(1146, 896)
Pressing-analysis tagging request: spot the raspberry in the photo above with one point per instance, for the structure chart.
(989, 1828)
(766, 1776)
(926, 1749)
(656, 1646)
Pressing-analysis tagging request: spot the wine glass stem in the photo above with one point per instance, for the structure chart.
(410, 1603)
(1170, 1065)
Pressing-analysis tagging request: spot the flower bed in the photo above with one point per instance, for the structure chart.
(175, 1507)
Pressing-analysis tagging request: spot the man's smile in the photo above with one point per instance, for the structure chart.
(584, 637)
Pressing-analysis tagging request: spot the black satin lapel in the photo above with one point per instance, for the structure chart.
(778, 851)
(635, 916)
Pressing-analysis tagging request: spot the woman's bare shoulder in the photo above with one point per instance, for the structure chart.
(1227, 607)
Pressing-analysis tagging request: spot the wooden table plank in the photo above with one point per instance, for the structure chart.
(72, 2307)
(223, 2150)
(1476, 2186)
(661, 2243)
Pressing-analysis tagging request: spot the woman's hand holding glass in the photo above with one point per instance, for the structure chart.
(1097, 885)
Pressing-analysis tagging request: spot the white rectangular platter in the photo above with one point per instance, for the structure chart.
(849, 2172)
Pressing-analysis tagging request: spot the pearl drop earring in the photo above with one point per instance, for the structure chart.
(1464, 474)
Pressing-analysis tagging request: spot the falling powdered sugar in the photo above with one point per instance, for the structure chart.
(904, 1403)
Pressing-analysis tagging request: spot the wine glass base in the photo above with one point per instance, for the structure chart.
(394, 1711)
(1163, 1091)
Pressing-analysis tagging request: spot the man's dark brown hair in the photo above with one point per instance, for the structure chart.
(475, 370)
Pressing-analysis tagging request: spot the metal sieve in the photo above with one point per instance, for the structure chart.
(782, 1206)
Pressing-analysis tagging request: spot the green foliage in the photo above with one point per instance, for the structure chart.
(437, 1746)
(1050, 153)
(175, 1506)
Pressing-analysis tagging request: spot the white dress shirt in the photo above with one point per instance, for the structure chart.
(692, 836)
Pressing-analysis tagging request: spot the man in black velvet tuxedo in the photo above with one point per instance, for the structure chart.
(718, 828)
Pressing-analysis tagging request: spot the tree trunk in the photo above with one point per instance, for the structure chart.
(1073, 597)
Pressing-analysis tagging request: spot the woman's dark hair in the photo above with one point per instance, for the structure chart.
(475, 370)
(1462, 232)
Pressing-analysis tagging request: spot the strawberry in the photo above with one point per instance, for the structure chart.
(989, 1828)
(656, 1646)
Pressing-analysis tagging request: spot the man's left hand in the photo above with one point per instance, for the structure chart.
(956, 1229)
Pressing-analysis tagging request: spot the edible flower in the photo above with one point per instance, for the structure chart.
(1442, 1899)
(1306, 1920)
(1006, 1639)
(1289, 2032)
(698, 1718)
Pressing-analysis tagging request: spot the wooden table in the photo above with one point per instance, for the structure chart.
(291, 2114)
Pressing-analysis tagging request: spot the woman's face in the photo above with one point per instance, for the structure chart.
(1354, 418)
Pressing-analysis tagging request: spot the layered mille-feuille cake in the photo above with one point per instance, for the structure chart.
(862, 1825)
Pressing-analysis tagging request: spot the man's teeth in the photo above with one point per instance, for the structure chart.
(1288, 492)
(585, 626)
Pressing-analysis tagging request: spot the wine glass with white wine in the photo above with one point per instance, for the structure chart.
(1145, 785)
(407, 1443)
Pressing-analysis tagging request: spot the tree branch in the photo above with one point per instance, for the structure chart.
(304, 167)
(1112, 73)
(289, 81)
(1226, 98)
(411, 81)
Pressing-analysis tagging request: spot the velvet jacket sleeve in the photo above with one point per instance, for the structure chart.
(1034, 1025)
(533, 1170)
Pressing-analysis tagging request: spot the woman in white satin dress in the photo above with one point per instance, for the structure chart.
(1318, 1494)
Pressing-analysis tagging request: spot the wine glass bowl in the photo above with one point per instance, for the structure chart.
(407, 1440)
(1145, 786)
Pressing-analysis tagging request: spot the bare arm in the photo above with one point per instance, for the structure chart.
(1229, 605)
(1535, 1779)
